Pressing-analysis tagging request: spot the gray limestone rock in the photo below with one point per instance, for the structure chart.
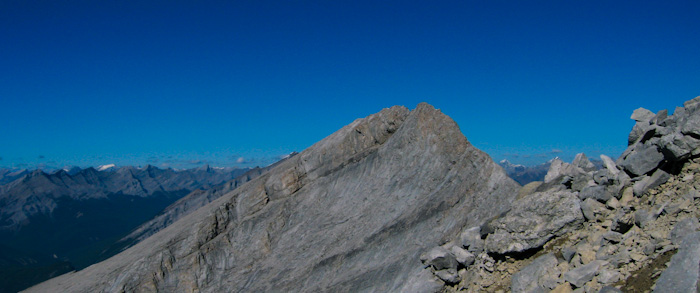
(471, 239)
(641, 132)
(582, 162)
(692, 125)
(677, 147)
(691, 106)
(567, 253)
(439, 258)
(532, 221)
(684, 269)
(583, 274)
(642, 160)
(607, 277)
(642, 115)
(683, 228)
(609, 164)
(642, 217)
(559, 168)
(462, 256)
(593, 210)
(659, 177)
(353, 212)
(595, 192)
(424, 281)
(613, 237)
(603, 177)
(539, 276)
(660, 117)
(450, 276)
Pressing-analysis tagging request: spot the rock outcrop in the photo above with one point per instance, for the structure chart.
(599, 230)
(188, 204)
(354, 212)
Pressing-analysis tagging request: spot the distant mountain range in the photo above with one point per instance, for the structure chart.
(51, 223)
(526, 174)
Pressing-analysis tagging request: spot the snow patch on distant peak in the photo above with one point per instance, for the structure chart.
(106, 167)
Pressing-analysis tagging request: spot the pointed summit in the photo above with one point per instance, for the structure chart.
(352, 212)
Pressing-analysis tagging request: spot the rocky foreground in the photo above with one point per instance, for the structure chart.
(631, 226)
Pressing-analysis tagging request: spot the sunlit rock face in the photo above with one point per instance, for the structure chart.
(351, 213)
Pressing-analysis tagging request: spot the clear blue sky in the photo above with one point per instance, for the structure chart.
(239, 83)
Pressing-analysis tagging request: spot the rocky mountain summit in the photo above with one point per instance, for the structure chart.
(353, 212)
(400, 201)
(587, 230)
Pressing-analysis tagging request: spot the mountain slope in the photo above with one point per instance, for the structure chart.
(351, 213)
(186, 205)
(56, 222)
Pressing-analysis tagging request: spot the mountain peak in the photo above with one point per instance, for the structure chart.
(107, 167)
(318, 220)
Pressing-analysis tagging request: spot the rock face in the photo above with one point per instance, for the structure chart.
(683, 272)
(533, 221)
(352, 213)
(188, 204)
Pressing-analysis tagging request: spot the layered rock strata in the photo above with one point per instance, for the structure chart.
(351, 213)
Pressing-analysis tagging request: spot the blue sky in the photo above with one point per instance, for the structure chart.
(240, 83)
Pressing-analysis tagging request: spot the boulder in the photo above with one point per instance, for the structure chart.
(684, 269)
(607, 277)
(603, 177)
(642, 160)
(641, 132)
(660, 117)
(439, 258)
(595, 192)
(581, 161)
(613, 237)
(558, 168)
(642, 115)
(691, 106)
(682, 228)
(609, 164)
(692, 125)
(593, 210)
(539, 276)
(471, 239)
(567, 253)
(462, 256)
(583, 274)
(659, 177)
(450, 276)
(532, 221)
(677, 147)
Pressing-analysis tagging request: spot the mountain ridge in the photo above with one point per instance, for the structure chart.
(309, 196)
